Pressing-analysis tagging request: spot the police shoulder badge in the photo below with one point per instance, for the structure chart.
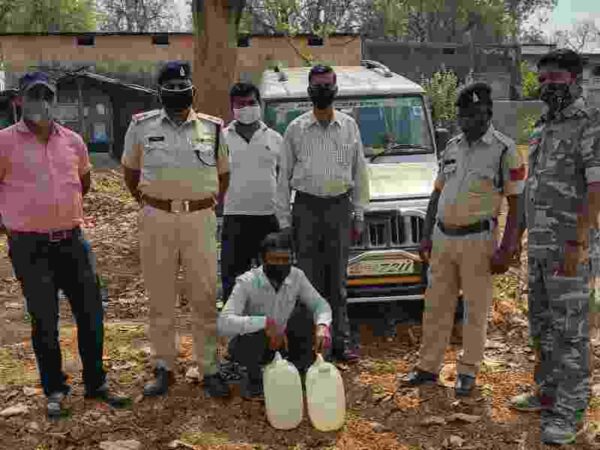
(145, 115)
(213, 119)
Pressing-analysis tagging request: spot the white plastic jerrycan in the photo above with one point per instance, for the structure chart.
(283, 394)
(325, 396)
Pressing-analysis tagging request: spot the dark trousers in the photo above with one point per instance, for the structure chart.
(43, 267)
(252, 350)
(322, 239)
(240, 244)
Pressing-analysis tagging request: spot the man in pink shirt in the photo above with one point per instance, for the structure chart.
(44, 173)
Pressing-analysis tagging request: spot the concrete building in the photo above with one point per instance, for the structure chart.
(135, 57)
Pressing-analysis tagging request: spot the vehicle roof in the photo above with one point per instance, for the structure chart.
(351, 80)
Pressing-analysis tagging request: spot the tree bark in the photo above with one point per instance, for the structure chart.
(214, 67)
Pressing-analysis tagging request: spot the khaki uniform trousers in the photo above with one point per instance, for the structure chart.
(165, 239)
(457, 263)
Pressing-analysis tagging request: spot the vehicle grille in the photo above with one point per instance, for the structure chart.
(390, 230)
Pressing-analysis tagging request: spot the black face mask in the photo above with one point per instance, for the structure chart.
(322, 97)
(557, 96)
(474, 127)
(177, 100)
(277, 273)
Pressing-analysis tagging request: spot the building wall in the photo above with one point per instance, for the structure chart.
(421, 60)
(136, 54)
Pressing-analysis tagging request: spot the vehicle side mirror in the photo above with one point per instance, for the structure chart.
(442, 136)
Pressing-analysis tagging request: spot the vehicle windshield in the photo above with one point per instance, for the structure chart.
(390, 125)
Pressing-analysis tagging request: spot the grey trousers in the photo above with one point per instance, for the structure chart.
(322, 239)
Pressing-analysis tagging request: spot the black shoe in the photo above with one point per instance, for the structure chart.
(160, 386)
(231, 372)
(418, 377)
(464, 384)
(54, 408)
(215, 386)
(347, 356)
(103, 394)
(252, 388)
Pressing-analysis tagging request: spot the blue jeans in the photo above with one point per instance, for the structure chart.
(43, 267)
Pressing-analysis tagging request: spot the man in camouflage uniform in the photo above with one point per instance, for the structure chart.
(564, 166)
(176, 162)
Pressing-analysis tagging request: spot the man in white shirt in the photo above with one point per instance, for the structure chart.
(262, 314)
(249, 207)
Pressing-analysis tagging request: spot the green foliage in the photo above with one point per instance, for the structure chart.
(282, 13)
(41, 16)
(525, 124)
(441, 89)
(531, 85)
(397, 14)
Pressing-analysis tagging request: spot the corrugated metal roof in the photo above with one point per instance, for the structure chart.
(104, 79)
(351, 80)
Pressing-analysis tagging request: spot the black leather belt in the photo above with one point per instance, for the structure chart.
(301, 194)
(50, 236)
(478, 227)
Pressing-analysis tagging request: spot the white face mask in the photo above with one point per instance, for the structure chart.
(247, 114)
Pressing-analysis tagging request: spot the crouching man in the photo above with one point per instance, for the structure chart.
(263, 315)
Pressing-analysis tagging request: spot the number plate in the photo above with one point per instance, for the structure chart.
(384, 267)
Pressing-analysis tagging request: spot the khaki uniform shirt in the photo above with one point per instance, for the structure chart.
(472, 179)
(564, 157)
(176, 162)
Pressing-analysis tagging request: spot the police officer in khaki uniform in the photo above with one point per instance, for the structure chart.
(176, 163)
(477, 169)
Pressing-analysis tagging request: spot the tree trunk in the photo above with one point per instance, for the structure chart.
(215, 56)
(515, 53)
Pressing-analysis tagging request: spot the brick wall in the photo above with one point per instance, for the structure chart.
(117, 53)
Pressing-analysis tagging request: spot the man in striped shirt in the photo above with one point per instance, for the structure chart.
(322, 160)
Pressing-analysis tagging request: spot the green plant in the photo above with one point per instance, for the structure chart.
(441, 89)
(530, 83)
(525, 126)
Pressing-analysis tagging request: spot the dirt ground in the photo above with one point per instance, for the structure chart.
(382, 414)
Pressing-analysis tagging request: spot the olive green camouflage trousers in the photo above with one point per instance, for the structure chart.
(559, 328)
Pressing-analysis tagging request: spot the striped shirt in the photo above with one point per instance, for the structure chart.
(254, 299)
(322, 161)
